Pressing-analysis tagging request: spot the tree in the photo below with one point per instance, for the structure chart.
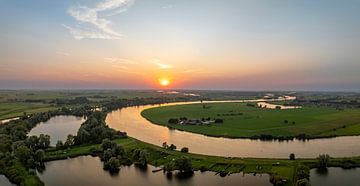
(183, 164)
(113, 164)
(323, 160)
(59, 145)
(32, 142)
(303, 182)
(172, 147)
(83, 135)
(140, 157)
(44, 141)
(107, 144)
(69, 141)
(118, 150)
(184, 149)
(302, 172)
(292, 156)
(173, 121)
(5, 145)
(107, 155)
(23, 153)
(39, 156)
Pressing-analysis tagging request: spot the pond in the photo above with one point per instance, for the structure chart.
(58, 128)
(87, 170)
(335, 177)
(130, 120)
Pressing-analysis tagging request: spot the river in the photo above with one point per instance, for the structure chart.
(87, 170)
(130, 120)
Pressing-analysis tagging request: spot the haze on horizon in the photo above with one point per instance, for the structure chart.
(135, 44)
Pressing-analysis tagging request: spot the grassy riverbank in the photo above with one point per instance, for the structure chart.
(242, 121)
(158, 157)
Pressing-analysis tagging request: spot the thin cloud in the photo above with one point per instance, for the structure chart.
(116, 12)
(119, 60)
(62, 53)
(167, 6)
(159, 64)
(90, 16)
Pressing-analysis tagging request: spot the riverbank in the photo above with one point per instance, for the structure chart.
(246, 120)
(158, 157)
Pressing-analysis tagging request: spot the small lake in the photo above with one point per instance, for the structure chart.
(87, 170)
(335, 177)
(58, 128)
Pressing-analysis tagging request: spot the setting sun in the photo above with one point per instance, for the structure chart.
(164, 82)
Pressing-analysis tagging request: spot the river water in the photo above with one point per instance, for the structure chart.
(87, 170)
(130, 120)
(335, 177)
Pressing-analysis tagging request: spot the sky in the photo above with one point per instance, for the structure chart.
(193, 44)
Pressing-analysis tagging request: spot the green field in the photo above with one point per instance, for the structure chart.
(313, 121)
(14, 103)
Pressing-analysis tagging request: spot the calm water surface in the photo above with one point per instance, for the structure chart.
(87, 170)
(58, 128)
(4, 181)
(130, 120)
(335, 177)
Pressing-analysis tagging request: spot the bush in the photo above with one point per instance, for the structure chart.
(302, 182)
(59, 145)
(302, 172)
(173, 121)
(184, 149)
(113, 165)
(292, 156)
(323, 160)
(172, 147)
(107, 144)
(219, 120)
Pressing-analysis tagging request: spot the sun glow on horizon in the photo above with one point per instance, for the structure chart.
(164, 82)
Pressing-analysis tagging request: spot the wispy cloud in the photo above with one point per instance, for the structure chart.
(119, 60)
(167, 6)
(101, 27)
(159, 64)
(62, 53)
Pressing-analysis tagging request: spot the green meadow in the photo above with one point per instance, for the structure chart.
(241, 120)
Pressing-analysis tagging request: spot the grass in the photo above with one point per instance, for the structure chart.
(14, 109)
(313, 121)
(14, 103)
